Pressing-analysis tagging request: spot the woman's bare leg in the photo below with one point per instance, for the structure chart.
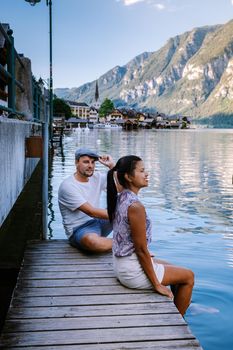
(163, 262)
(183, 279)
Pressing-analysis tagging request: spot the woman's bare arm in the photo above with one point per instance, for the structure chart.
(137, 221)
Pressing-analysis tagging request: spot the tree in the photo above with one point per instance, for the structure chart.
(106, 107)
(61, 107)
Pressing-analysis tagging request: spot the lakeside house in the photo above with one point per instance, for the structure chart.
(129, 119)
(93, 115)
(79, 109)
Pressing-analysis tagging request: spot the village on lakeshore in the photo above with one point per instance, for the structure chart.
(106, 116)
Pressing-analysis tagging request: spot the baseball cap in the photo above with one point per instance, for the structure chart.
(85, 152)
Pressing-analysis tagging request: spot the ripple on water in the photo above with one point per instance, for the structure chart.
(208, 316)
(196, 309)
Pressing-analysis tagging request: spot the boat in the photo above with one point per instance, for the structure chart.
(115, 126)
(108, 126)
(99, 126)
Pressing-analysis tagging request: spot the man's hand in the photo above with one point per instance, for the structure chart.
(107, 161)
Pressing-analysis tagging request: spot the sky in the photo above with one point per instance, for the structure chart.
(90, 37)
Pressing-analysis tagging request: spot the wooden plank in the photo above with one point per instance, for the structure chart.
(69, 268)
(36, 261)
(187, 344)
(90, 310)
(108, 299)
(93, 336)
(81, 290)
(68, 282)
(62, 275)
(46, 243)
(51, 249)
(45, 324)
(68, 253)
(57, 255)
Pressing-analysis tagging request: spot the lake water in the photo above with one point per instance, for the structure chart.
(190, 202)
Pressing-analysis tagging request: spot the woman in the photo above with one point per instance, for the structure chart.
(133, 264)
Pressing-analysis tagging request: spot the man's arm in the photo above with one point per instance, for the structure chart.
(98, 213)
(107, 161)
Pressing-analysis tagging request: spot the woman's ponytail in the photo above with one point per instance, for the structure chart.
(125, 165)
(111, 194)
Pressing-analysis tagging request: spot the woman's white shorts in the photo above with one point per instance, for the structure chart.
(129, 272)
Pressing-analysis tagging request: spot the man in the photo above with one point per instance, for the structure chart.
(86, 225)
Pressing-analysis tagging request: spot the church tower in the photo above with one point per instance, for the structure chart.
(97, 103)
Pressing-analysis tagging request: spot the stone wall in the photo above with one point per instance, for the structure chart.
(15, 169)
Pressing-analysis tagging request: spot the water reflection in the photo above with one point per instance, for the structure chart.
(189, 200)
(56, 160)
(190, 171)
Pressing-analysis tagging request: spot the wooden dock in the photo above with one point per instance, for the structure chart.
(57, 136)
(67, 300)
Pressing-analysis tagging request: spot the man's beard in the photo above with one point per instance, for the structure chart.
(88, 173)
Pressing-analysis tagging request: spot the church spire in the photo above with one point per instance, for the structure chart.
(96, 91)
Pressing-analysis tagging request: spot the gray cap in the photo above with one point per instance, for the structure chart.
(85, 152)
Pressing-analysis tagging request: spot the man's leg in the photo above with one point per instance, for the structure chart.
(91, 236)
(95, 243)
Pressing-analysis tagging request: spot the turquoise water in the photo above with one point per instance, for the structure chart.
(190, 202)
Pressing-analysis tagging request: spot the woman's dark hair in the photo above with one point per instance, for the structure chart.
(125, 165)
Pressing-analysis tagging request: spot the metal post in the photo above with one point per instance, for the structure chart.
(45, 170)
(49, 3)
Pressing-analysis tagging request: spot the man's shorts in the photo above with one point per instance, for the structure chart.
(99, 226)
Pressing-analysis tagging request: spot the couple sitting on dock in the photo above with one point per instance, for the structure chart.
(88, 226)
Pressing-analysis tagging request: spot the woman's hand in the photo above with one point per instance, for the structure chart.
(164, 291)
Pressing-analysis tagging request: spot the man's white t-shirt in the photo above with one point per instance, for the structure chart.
(73, 193)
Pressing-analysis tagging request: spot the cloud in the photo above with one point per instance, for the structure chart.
(131, 2)
(153, 3)
(160, 7)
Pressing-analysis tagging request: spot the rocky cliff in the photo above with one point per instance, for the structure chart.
(191, 74)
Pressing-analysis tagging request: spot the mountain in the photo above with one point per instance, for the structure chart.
(110, 84)
(192, 74)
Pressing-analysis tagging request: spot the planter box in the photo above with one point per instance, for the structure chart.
(34, 147)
